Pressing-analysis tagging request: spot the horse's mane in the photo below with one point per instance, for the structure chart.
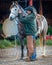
(13, 4)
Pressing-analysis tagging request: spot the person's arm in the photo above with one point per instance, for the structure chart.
(26, 19)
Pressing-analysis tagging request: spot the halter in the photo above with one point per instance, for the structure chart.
(14, 14)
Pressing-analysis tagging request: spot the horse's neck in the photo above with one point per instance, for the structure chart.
(16, 20)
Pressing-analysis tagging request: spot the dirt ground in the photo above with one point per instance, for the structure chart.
(40, 60)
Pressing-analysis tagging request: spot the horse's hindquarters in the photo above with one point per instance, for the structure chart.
(9, 28)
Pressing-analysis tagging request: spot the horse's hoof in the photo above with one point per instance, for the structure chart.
(43, 55)
(27, 59)
(21, 58)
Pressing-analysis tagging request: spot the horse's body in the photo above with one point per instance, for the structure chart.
(43, 27)
(42, 24)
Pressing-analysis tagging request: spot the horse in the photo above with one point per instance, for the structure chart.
(42, 26)
(42, 31)
(13, 16)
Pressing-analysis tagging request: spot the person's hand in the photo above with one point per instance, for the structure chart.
(20, 11)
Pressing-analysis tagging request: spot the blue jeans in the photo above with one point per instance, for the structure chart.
(33, 57)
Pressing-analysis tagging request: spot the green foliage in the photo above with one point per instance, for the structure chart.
(5, 44)
(50, 30)
(48, 42)
(8, 44)
(18, 42)
(37, 42)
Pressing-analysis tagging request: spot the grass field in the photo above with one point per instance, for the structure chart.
(48, 42)
(8, 44)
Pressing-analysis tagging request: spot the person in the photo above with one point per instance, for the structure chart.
(29, 26)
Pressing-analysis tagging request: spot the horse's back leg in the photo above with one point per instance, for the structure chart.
(41, 41)
(44, 44)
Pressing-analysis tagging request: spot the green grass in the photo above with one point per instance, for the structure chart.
(9, 44)
(5, 44)
(48, 42)
(37, 42)
(49, 30)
